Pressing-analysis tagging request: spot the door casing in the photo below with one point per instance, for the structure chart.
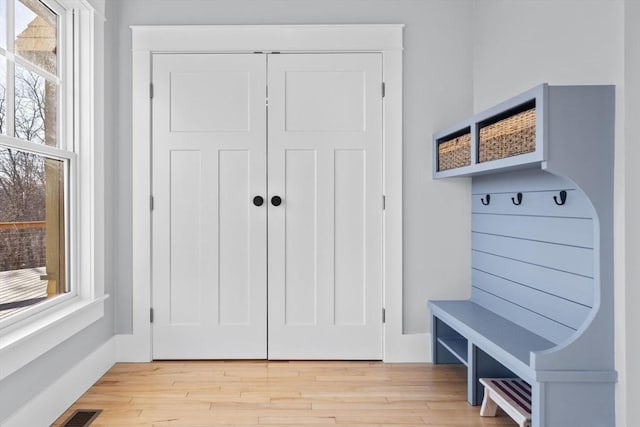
(385, 39)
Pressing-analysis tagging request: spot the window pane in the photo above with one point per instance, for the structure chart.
(32, 230)
(36, 34)
(36, 105)
(3, 24)
(3, 96)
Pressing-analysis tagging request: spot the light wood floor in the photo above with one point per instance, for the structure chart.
(211, 393)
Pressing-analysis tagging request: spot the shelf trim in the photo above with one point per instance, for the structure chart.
(455, 346)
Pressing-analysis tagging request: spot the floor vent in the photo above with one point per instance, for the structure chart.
(82, 418)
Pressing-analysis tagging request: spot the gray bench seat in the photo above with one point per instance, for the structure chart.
(497, 336)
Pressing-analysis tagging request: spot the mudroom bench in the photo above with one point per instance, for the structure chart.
(541, 304)
(466, 332)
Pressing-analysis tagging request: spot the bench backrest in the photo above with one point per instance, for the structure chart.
(533, 263)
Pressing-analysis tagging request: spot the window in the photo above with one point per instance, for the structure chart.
(51, 172)
(35, 160)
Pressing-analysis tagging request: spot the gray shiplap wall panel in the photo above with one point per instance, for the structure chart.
(567, 231)
(564, 258)
(534, 203)
(565, 285)
(533, 263)
(539, 325)
(564, 311)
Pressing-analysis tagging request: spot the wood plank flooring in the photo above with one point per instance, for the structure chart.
(239, 393)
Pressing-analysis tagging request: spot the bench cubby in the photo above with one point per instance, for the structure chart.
(541, 305)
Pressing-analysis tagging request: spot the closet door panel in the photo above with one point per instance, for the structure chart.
(209, 239)
(325, 239)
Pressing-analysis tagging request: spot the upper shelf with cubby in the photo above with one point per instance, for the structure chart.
(541, 125)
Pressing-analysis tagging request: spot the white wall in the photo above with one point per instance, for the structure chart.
(98, 5)
(628, 348)
(437, 92)
(518, 45)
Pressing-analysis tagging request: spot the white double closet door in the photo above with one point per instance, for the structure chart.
(234, 278)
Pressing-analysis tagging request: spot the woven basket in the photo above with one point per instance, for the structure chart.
(508, 137)
(454, 153)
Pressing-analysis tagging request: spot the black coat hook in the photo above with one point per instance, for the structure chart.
(519, 198)
(563, 198)
(486, 199)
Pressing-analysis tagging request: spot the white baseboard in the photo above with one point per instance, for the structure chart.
(131, 348)
(47, 406)
(406, 348)
(409, 348)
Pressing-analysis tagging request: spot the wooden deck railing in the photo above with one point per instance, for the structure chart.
(22, 244)
(23, 224)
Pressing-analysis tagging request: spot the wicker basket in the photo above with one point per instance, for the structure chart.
(508, 137)
(454, 153)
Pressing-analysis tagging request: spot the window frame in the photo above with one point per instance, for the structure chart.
(65, 150)
(29, 334)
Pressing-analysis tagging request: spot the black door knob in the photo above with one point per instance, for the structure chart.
(258, 200)
(276, 201)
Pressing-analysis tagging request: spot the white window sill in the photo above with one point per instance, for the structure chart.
(22, 345)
